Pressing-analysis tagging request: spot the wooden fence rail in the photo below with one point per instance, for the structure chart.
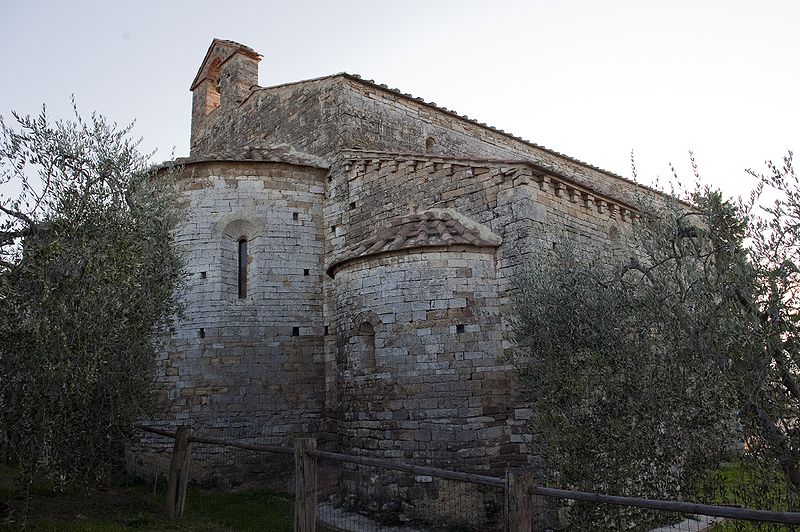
(483, 480)
(213, 441)
(730, 512)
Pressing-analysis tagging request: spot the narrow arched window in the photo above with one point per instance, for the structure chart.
(366, 333)
(242, 268)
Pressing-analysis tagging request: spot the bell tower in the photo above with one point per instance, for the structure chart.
(226, 77)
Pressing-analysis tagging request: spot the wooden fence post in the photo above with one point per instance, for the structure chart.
(305, 485)
(518, 500)
(178, 473)
(539, 514)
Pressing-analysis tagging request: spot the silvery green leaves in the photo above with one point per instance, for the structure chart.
(647, 372)
(89, 277)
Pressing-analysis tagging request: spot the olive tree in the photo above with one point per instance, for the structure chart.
(645, 372)
(89, 278)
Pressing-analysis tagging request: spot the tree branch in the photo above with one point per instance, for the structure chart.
(779, 442)
(18, 215)
(635, 265)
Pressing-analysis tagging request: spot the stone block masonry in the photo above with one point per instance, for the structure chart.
(248, 365)
(440, 388)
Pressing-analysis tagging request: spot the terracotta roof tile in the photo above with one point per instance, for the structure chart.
(430, 228)
(282, 153)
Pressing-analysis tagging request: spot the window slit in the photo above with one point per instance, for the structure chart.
(242, 268)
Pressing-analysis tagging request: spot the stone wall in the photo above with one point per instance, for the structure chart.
(422, 396)
(427, 378)
(249, 366)
(532, 213)
(304, 116)
(384, 120)
(443, 389)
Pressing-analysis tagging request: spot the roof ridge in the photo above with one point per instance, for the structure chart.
(236, 44)
(449, 158)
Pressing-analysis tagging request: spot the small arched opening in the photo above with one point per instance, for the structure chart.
(366, 335)
(212, 87)
(361, 345)
(430, 142)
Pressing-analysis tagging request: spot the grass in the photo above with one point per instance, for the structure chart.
(734, 481)
(132, 505)
(748, 485)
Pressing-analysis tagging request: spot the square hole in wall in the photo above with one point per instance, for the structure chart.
(306, 271)
(203, 275)
(295, 331)
(326, 330)
(460, 328)
(333, 229)
(201, 333)
(352, 205)
(295, 216)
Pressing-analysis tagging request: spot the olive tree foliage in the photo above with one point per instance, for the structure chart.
(645, 369)
(89, 276)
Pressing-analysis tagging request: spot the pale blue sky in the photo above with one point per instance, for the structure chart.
(588, 78)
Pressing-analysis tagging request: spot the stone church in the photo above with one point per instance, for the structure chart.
(351, 252)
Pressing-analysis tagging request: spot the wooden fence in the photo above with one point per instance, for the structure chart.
(518, 485)
(178, 477)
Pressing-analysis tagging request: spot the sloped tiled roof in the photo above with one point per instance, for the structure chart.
(282, 153)
(436, 227)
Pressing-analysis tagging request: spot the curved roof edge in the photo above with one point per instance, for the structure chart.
(436, 228)
(282, 153)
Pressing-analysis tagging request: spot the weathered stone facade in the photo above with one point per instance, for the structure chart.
(382, 238)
